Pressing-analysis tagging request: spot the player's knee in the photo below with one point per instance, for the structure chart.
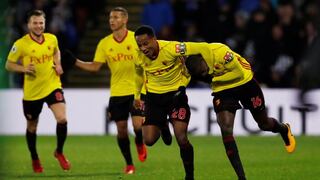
(264, 126)
(123, 133)
(182, 140)
(32, 126)
(61, 120)
(149, 142)
(137, 130)
(226, 129)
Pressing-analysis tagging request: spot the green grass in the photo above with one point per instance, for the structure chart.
(98, 157)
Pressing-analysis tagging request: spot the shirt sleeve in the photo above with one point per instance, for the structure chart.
(193, 48)
(99, 55)
(15, 52)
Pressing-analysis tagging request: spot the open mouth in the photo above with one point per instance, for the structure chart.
(146, 52)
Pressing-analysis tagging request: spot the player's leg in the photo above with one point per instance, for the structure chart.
(31, 111)
(180, 116)
(186, 149)
(225, 105)
(137, 115)
(253, 99)
(56, 103)
(155, 117)
(151, 134)
(166, 134)
(118, 111)
(266, 123)
(226, 121)
(124, 145)
(137, 128)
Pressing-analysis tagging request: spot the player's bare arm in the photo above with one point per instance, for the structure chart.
(88, 66)
(14, 67)
(57, 62)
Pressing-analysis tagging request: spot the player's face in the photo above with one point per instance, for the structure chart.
(117, 20)
(148, 45)
(36, 25)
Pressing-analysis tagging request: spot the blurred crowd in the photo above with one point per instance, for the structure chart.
(67, 19)
(273, 35)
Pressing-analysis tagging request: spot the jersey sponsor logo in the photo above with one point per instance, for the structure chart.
(121, 57)
(43, 59)
(228, 57)
(181, 48)
(161, 71)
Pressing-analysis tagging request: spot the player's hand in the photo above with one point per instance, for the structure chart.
(58, 69)
(30, 70)
(138, 104)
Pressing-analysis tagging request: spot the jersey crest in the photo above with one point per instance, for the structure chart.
(228, 57)
(14, 49)
(181, 48)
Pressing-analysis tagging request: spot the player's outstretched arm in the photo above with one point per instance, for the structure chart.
(71, 60)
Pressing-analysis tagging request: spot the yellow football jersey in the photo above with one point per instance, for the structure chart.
(167, 73)
(119, 57)
(228, 68)
(29, 51)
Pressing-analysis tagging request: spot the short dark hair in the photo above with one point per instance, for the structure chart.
(36, 12)
(192, 63)
(144, 29)
(121, 9)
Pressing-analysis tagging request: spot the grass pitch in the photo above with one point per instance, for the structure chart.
(98, 157)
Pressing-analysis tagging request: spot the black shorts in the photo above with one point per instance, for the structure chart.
(32, 109)
(250, 95)
(120, 107)
(159, 108)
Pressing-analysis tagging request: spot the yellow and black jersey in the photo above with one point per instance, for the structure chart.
(228, 68)
(119, 55)
(167, 72)
(28, 51)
